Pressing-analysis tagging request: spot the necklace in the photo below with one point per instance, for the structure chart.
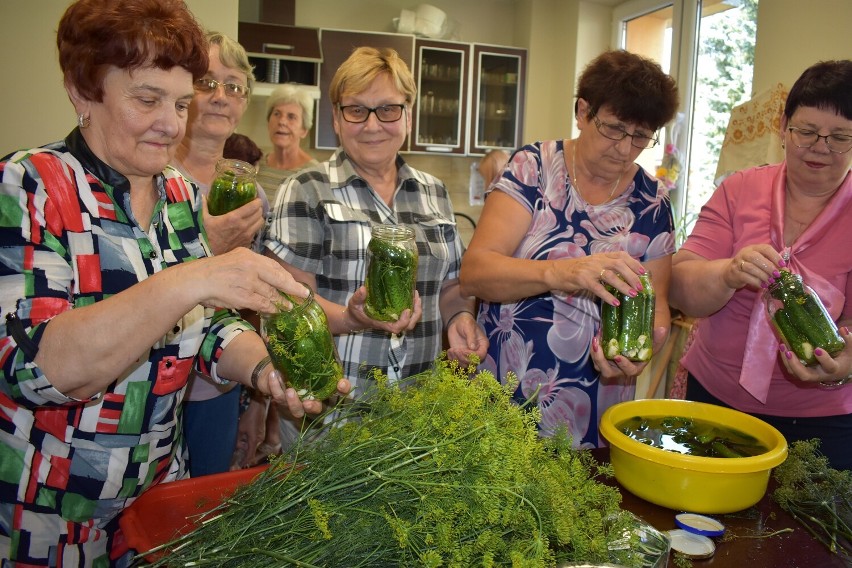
(577, 185)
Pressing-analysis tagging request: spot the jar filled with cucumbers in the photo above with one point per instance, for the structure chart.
(301, 346)
(391, 272)
(627, 330)
(234, 186)
(800, 318)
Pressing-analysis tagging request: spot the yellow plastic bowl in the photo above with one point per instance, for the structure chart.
(691, 483)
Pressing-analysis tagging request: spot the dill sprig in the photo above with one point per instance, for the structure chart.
(817, 496)
(445, 472)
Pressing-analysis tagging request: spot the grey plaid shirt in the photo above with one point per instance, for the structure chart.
(321, 223)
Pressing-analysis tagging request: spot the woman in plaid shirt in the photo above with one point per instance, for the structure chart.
(322, 220)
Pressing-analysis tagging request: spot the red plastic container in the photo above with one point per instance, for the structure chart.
(169, 510)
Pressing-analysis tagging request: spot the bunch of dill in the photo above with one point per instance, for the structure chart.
(445, 472)
(817, 496)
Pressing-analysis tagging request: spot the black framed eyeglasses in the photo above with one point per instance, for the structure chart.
(615, 132)
(360, 113)
(804, 138)
(208, 85)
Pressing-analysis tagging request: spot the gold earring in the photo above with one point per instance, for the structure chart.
(83, 121)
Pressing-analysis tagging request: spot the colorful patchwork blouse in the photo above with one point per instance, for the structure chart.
(68, 239)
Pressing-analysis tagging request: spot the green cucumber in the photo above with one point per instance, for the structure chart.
(632, 317)
(391, 280)
(646, 342)
(610, 326)
(821, 321)
(228, 193)
(807, 314)
(791, 335)
(628, 329)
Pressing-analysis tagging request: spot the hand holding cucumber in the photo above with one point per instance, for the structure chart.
(622, 366)
(830, 371)
(619, 270)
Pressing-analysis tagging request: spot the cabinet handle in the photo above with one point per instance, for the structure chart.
(281, 46)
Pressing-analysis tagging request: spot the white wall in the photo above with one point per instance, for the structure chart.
(480, 21)
(561, 35)
(34, 108)
(549, 29)
(793, 35)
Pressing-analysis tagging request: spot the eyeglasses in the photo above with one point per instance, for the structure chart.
(615, 132)
(837, 143)
(360, 113)
(231, 89)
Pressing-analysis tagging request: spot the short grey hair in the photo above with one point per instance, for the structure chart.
(292, 93)
(233, 55)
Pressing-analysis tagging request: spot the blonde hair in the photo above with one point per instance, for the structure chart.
(233, 55)
(290, 93)
(359, 70)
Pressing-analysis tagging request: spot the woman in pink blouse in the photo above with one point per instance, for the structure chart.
(794, 215)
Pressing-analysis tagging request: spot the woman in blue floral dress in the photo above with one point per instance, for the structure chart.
(565, 218)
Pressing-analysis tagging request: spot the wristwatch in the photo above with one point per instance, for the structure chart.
(258, 369)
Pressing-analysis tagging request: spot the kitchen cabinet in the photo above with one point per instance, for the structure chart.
(441, 112)
(470, 97)
(281, 54)
(497, 101)
(337, 46)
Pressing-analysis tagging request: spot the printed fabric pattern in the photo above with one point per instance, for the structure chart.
(69, 467)
(544, 341)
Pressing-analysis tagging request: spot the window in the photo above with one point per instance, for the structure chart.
(708, 47)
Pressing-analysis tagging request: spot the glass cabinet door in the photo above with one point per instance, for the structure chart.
(498, 99)
(440, 115)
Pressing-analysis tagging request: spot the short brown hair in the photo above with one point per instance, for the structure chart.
(356, 73)
(634, 87)
(824, 85)
(94, 35)
(241, 147)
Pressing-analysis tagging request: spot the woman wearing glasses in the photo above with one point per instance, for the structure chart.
(795, 216)
(211, 413)
(323, 217)
(109, 291)
(565, 218)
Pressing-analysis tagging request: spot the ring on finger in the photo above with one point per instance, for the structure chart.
(742, 265)
(601, 276)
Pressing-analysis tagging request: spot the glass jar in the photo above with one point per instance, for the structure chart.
(234, 186)
(800, 319)
(627, 330)
(302, 348)
(391, 272)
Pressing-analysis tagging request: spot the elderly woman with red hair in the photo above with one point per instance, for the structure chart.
(110, 293)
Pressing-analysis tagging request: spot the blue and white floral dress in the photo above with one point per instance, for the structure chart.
(545, 339)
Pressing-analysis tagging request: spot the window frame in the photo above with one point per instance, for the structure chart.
(686, 18)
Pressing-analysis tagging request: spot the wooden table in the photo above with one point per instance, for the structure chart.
(741, 545)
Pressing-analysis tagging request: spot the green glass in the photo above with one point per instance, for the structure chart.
(627, 330)
(391, 272)
(302, 348)
(800, 318)
(234, 186)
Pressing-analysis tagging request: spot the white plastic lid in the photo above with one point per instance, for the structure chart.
(699, 524)
(691, 544)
